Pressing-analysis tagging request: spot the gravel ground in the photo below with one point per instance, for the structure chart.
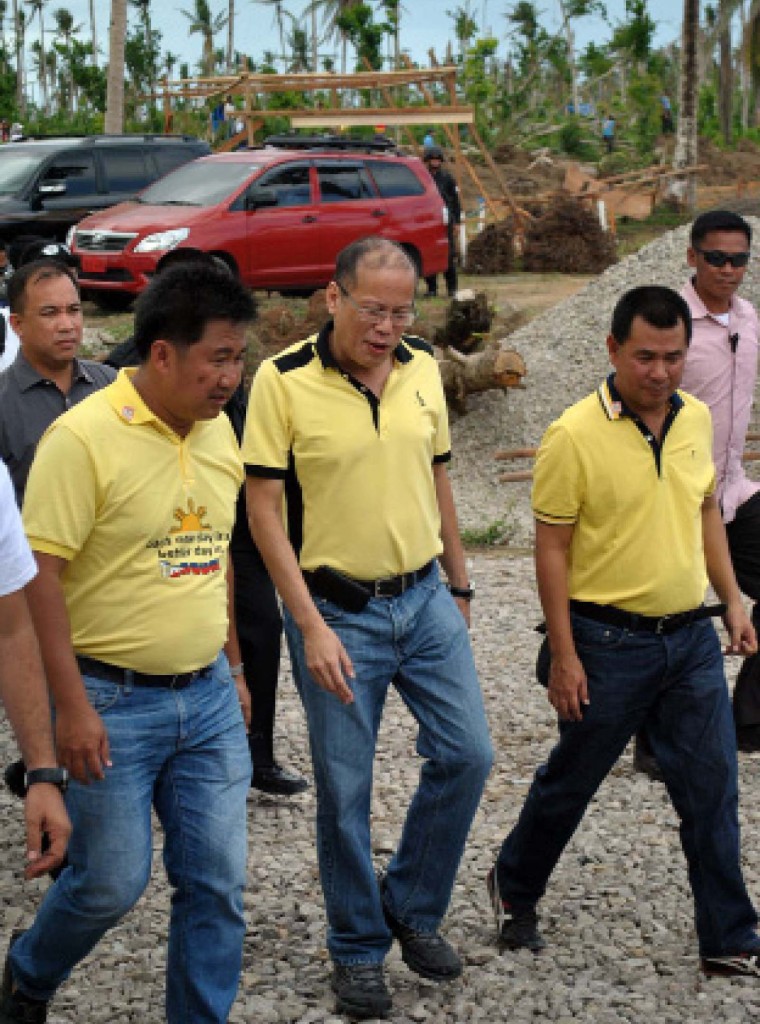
(618, 912)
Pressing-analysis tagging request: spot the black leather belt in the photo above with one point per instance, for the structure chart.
(393, 586)
(662, 624)
(125, 676)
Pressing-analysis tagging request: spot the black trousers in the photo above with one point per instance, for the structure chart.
(259, 626)
(450, 274)
(744, 543)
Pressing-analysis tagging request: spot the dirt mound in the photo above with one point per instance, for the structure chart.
(727, 167)
(492, 251)
(568, 239)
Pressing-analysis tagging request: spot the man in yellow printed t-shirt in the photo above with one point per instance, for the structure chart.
(129, 509)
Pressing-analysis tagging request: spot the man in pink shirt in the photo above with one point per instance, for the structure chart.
(721, 369)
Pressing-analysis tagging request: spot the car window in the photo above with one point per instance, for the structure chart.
(395, 179)
(16, 168)
(170, 157)
(76, 169)
(126, 170)
(289, 184)
(340, 183)
(199, 183)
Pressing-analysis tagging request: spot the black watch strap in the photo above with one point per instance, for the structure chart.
(465, 593)
(54, 776)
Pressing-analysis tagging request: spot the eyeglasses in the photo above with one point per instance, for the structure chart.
(718, 258)
(402, 317)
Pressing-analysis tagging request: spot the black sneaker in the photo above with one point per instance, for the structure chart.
(739, 965)
(278, 781)
(426, 953)
(15, 1007)
(516, 929)
(360, 990)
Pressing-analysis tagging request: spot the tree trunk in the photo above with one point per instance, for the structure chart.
(726, 80)
(94, 34)
(117, 31)
(686, 137)
(230, 34)
(18, 35)
(463, 375)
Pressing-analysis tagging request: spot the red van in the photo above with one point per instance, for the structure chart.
(278, 216)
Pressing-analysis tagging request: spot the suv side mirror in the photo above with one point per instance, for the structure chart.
(256, 200)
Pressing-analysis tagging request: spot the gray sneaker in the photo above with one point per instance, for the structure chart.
(515, 929)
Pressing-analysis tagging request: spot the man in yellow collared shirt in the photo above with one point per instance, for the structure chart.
(129, 509)
(627, 534)
(352, 425)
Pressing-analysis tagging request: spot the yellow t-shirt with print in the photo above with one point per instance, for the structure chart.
(143, 518)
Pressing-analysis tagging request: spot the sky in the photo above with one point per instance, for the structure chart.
(424, 23)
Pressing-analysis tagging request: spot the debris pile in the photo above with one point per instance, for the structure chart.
(568, 239)
(492, 251)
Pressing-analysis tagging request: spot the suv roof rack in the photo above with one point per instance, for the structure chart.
(75, 136)
(291, 140)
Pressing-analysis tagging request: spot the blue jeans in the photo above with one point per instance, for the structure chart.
(675, 684)
(419, 642)
(184, 752)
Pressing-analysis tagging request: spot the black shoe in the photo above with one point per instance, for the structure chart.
(516, 929)
(360, 990)
(741, 965)
(271, 778)
(645, 762)
(426, 953)
(748, 738)
(15, 1007)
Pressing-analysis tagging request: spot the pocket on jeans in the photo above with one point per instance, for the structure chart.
(332, 613)
(101, 694)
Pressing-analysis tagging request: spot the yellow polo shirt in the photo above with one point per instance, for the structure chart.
(358, 470)
(637, 542)
(143, 518)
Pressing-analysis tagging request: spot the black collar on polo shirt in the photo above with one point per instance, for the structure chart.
(615, 408)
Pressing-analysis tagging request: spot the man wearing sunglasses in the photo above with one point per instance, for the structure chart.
(352, 425)
(721, 369)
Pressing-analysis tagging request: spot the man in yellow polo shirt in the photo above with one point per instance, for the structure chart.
(129, 509)
(628, 532)
(352, 425)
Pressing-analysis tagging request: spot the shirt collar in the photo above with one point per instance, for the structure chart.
(27, 377)
(126, 401)
(614, 406)
(401, 353)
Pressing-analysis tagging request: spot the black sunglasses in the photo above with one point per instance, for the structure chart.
(718, 258)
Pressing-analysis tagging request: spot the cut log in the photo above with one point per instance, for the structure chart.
(494, 368)
(516, 476)
(468, 318)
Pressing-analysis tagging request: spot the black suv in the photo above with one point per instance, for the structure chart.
(48, 184)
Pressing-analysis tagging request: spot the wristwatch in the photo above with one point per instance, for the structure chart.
(464, 593)
(55, 776)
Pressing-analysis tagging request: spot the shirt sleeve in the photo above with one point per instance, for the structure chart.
(558, 477)
(268, 435)
(61, 496)
(17, 565)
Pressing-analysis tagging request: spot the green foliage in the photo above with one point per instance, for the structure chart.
(571, 140)
(478, 83)
(498, 532)
(644, 97)
(634, 36)
(358, 25)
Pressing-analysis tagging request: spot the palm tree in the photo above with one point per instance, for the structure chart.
(117, 32)
(37, 7)
(279, 20)
(19, 33)
(3, 12)
(686, 136)
(65, 29)
(331, 12)
(230, 33)
(207, 25)
(143, 8)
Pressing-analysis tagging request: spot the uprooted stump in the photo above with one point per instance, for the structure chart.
(493, 368)
(468, 318)
(492, 251)
(568, 239)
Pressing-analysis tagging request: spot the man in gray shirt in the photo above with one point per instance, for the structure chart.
(46, 378)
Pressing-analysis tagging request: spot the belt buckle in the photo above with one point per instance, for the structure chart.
(662, 623)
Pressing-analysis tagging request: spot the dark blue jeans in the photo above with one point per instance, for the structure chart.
(676, 685)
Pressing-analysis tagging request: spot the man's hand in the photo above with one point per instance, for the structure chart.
(328, 662)
(743, 639)
(568, 688)
(81, 742)
(244, 697)
(45, 812)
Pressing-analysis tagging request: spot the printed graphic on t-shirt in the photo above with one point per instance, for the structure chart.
(192, 547)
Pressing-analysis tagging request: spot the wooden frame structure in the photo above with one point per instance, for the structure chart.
(254, 88)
